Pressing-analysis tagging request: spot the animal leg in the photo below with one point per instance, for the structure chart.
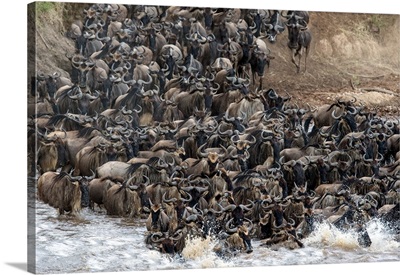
(300, 54)
(298, 67)
(260, 85)
(294, 53)
(247, 243)
(305, 58)
(61, 211)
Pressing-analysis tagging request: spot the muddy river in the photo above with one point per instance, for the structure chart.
(101, 243)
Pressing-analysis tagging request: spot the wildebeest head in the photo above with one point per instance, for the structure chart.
(80, 67)
(155, 215)
(79, 100)
(274, 26)
(209, 89)
(52, 151)
(51, 83)
(168, 244)
(341, 160)
(196, 40)
(231, 123)
(257, 17)
(296, 22)
(83, 186)
(243, 143)
(171, 55)
(195, 191)
(294, 170)
(212, 154)
(260, 59)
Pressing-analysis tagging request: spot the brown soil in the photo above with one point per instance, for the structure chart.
(351, 55)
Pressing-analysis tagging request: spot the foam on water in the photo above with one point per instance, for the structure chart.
(200, 253)
(382, 238)
(327, 235)
(104, 243)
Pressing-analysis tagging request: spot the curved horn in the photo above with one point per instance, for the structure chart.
(225, 152)
(75, 97)
(334, 114)
(252, 141)
(142, 82)
(188, 199)
(200, 152)
(89, 178)
(95, 96)
(228, 227)
(164, 199)
(247, 207)
(159, 237)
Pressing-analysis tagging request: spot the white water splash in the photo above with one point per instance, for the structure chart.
(105, 244)
(382, 238)
(201, 252)
(327, 235)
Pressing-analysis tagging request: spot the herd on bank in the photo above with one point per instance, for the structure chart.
(164, 117)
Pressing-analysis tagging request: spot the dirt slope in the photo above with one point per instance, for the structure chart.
(349, 52)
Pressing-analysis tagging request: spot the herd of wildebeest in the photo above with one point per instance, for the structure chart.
(164, 117)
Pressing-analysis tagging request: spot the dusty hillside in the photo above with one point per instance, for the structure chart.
(351, 55)
(349, 52)
(52, 22)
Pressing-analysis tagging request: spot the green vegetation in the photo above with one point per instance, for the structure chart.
(372, 26)
(48, 13)
(379, 21)
(44, 7)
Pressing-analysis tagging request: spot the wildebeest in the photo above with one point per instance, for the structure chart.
(74, 100)
(89, 158)
(165, 242)
(98, 189)
(390, 214)
(260, 59)
(233, 134)
(239, 238)
(61, 191)
(157, 220)
(274, 25)
(299, 37)
(325, 114)
(170, 56)
(51, 153)
(123, 200)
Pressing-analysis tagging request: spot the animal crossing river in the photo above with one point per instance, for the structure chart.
(100, 243)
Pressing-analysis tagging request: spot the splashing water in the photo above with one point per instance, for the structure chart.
(198, 250)
(382, 238)
(327, 235)
(103, 243)
(343, 245)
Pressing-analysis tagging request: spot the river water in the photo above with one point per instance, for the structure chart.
(101, 243)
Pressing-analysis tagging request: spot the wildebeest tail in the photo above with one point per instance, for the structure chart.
(307, 123)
